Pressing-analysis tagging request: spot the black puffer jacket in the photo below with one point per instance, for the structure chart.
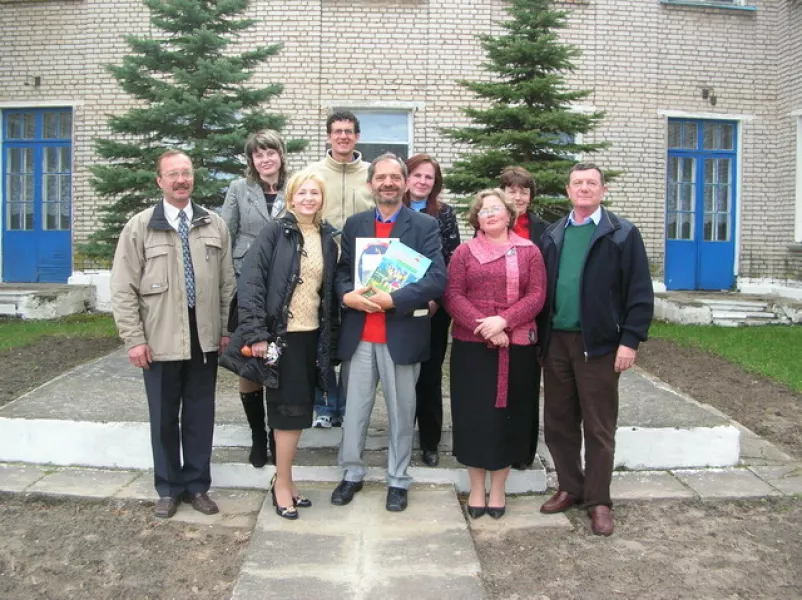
(268, 279)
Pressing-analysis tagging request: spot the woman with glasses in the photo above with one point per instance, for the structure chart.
(424, 184)
(496, 288)
(288, 318)
(251, 203)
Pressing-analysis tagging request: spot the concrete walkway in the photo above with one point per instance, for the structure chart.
(97, 412)
(361, 551)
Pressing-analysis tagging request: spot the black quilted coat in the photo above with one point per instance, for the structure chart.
(270, 272)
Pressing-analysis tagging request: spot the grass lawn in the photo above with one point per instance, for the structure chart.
(17, 332)
(773, 350)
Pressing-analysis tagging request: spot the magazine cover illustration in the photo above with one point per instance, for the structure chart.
(368, 253)
(400, 266)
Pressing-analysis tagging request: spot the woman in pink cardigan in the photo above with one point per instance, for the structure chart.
(496, 287)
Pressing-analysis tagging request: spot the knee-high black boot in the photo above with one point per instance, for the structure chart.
(254, 405)
(271, 440)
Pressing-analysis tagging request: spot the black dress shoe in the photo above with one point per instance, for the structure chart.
(431, 458)
(166, 507)
(474, 512)
(396, 499)
(496, 512)
(344, 492)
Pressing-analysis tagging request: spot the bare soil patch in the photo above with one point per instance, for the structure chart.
(660, 550)
(26, 367)
(68, 548)
(766, 407)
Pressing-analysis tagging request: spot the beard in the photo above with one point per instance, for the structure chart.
(379, 199)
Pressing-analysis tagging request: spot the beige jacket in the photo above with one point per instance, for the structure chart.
(148, 294)
(347, 190)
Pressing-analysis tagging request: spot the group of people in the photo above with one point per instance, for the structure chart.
(269, 287)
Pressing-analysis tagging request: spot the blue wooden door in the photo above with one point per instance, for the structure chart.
(700, 205)
(37, 195)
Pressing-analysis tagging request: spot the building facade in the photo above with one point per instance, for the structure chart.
(703, 104)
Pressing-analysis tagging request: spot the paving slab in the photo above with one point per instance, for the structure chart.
(96, 415)
(89, 483)
(647, 485)
(523, 512)
(786, 478)
(755, 451)
(141, 487)
(17, 478)
(370, 553)
(238, 508)
(726, 483)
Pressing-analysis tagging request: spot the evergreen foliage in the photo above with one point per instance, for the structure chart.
(194, 97)
(526, 119)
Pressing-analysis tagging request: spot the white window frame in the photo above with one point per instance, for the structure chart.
(797, 114)
(407, 108)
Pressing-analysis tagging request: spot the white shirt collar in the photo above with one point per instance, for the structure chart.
(171, 213)
(595, 218)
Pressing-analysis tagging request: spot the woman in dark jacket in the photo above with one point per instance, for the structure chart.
(519, 186)
(288, 316)
(251, 203)
(424, 184)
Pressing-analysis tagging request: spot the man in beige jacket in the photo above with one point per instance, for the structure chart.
(172, 282)
(347, 193)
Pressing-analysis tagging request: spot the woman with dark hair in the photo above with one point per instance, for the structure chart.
(519, 186)
(496, 287)
(288, 319)
(251, 203)
(424, 184)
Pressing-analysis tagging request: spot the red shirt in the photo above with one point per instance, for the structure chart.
(375, 329)
(521, 226)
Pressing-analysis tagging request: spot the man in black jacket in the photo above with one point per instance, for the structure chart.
(384, 336)
(598, 309)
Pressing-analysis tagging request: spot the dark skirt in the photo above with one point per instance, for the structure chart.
(289, 406)
(484, 436)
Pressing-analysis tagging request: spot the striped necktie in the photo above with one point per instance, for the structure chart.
(189, 273)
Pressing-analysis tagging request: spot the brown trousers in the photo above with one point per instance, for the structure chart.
(580, 394)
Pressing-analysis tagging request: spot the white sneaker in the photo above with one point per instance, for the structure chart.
(322, 422)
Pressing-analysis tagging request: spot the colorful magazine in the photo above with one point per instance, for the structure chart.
(368, 253)
(400, 266)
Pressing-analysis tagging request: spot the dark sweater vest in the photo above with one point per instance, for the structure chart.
(572, 257)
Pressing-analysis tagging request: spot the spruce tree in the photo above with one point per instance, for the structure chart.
(526, 119)
(193, 96)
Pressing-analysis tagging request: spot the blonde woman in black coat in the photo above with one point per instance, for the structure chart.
(288, 318)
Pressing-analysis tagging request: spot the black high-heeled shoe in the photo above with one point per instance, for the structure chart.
(285, 512)
(474, 512)
(301, 501)
(496, 512)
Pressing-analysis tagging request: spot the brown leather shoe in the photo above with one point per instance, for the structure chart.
(202, 503)
(166, 507)
(601, 520)
(559, 502)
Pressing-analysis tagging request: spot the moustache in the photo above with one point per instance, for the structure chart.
(181, 186)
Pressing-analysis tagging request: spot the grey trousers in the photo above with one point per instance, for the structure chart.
(370, 364)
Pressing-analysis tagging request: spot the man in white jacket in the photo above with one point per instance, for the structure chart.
(347, 192)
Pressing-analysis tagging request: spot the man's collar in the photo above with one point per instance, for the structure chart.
(594, 218)
(391, 218)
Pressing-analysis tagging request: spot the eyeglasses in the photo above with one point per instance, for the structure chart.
(186, 174)
(339, 132)
(486, 212)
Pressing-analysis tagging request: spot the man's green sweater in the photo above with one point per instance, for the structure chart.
(572, 258)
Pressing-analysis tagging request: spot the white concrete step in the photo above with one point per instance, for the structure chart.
(731, 314)
(45, 301)
(735, 304)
